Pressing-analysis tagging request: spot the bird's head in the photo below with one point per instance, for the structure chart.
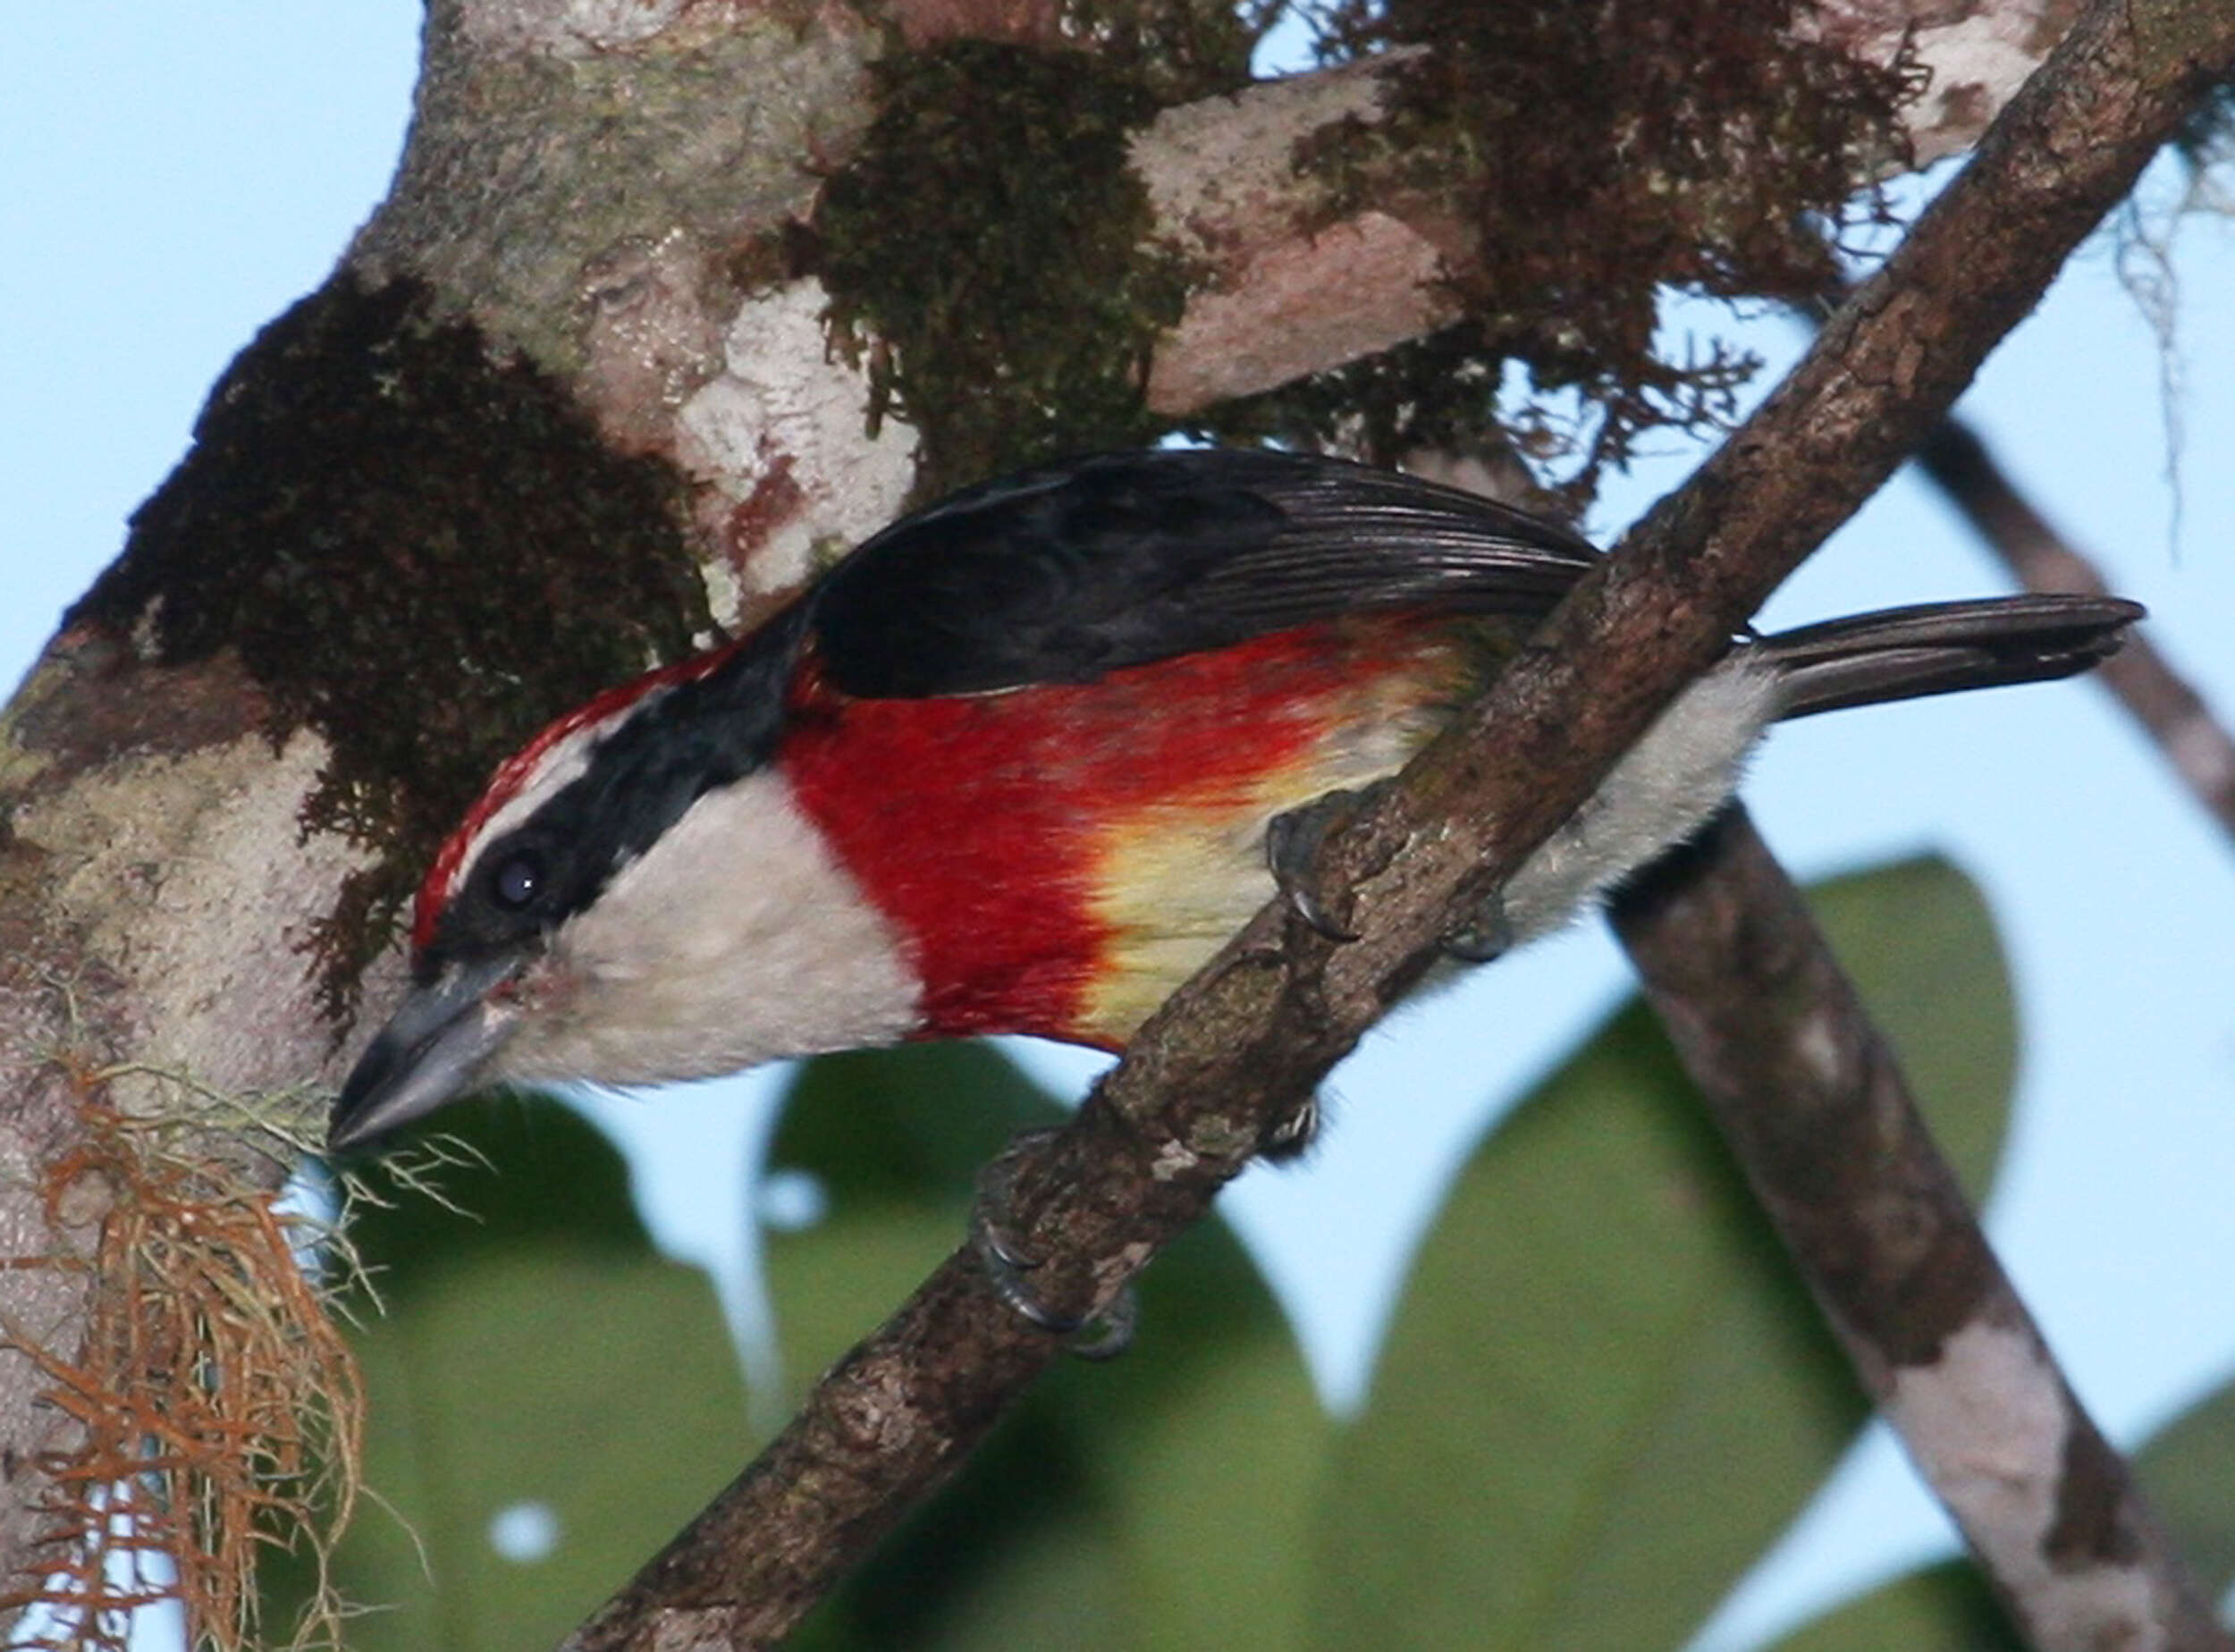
(634, 899)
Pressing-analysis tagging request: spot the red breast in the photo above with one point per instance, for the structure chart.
(1060, 857)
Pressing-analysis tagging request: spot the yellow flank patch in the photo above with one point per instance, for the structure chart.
(1175, 878)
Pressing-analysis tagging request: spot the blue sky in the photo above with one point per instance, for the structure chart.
(173, 183)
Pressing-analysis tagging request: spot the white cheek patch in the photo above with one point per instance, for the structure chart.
(735, 939)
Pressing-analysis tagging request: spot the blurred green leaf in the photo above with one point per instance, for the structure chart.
(1160, 1500)
(535, 1356)
(2187, 1469)
(1921, 944)
(894, 1141)
(1604, 1391)
(1601, 1398)
(1944, 1608)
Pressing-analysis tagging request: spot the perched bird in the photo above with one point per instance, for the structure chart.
(1012, 765)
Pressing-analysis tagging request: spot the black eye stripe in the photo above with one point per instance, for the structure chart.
(677, 744)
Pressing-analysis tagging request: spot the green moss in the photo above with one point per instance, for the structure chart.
(1600, 153)
(420, 549)
(987, 256)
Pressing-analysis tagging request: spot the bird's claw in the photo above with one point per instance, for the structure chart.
(1103, 1334)
(1488, 934)
(1292, 844)
(1291, 1135)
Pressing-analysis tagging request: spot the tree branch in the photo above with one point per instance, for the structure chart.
(2174, 715)
(1293, 295)
(1253, 1032)
(637, 308)
(1814, 1104)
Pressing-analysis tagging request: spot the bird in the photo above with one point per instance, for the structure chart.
(1024, 760)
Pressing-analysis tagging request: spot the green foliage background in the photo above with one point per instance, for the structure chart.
(1602, 1395)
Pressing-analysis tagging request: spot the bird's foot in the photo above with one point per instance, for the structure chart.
(1487, 933)
(1292, 843)
(1101, 1336)
(1289, 1137)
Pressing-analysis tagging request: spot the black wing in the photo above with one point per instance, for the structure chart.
(1062, 574)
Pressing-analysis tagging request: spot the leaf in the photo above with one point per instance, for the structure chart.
(1921, 944)
(1605, 1392)
(537, 1357)
(1158, 1500)
(1943, 1608)
(2187, 1470)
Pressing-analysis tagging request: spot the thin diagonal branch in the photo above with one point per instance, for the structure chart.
(2175, 716)
(1250, 1037)
(1818, 1115)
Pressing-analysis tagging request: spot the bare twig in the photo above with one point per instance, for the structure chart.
(1255, 1030)
(2174, 714)
(1815, 1107)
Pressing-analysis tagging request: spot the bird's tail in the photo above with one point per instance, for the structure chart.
(1900, 654)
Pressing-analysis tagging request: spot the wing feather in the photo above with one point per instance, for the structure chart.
(1063, 574)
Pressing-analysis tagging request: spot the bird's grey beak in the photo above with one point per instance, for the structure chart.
(432, 1048)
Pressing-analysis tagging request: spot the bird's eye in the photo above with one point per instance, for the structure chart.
(518, 881)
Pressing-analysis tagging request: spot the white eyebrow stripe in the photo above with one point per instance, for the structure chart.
(565, 763)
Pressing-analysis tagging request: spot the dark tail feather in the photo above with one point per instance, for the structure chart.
(1900, 654)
